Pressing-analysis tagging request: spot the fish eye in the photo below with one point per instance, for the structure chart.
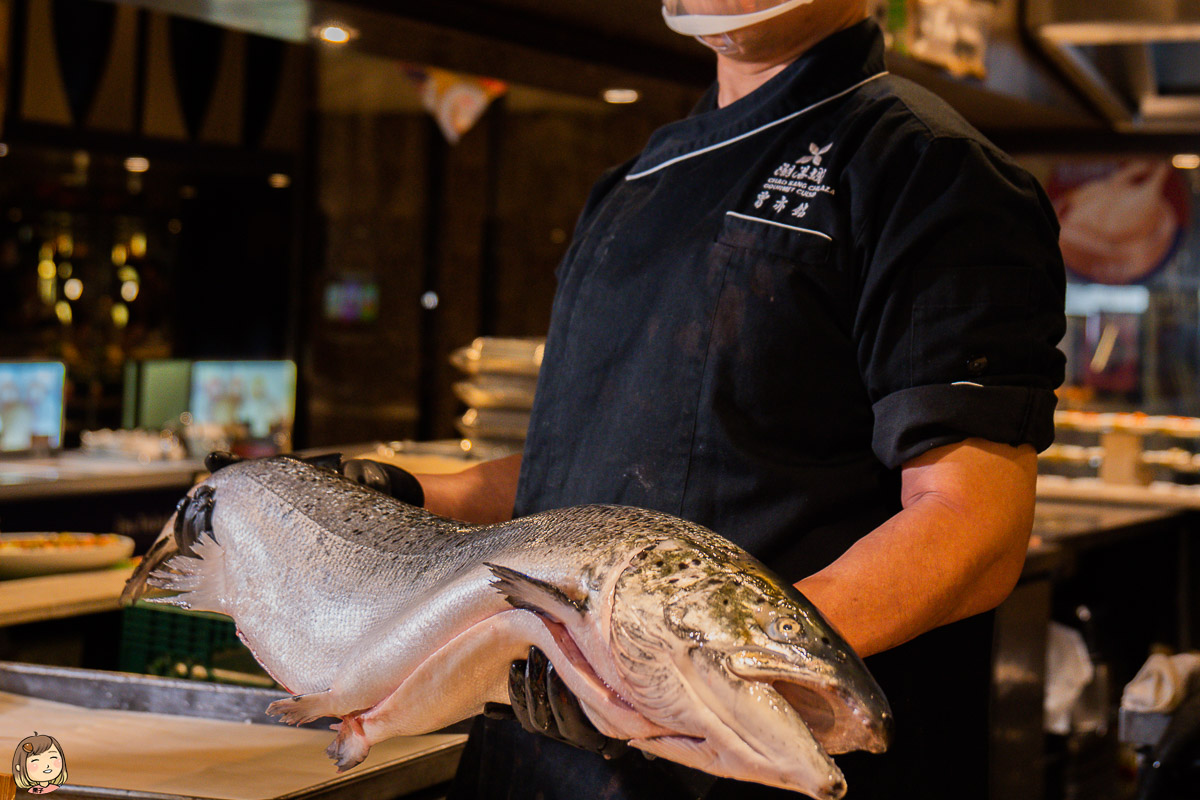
(783, 628)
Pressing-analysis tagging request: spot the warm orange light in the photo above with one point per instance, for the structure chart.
(621, 96)
(335, 33)
(120, 315)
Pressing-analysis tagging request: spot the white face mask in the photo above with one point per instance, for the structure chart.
(717, 24)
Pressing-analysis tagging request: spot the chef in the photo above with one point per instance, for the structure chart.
(820, 317)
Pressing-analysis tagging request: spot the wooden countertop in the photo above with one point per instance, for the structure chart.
(157, 756)
(75, 473)
(1061, 528)
(69, 594)
(1093, 490)
(80, 474)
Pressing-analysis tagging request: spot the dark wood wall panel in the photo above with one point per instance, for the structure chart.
(482, 223)
(547, 165)
(362, 377)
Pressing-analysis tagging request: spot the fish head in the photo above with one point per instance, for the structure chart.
(758, 685)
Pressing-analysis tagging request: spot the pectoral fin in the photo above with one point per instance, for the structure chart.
(532, 594)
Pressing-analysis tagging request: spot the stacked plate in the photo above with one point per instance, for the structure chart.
(500, 378)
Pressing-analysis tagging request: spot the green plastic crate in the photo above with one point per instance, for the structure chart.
(163, 640)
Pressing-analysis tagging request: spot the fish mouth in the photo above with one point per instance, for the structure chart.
(843, 712)
(839, 724)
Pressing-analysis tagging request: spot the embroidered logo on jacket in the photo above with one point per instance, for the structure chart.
(795, 183)
(815, 154)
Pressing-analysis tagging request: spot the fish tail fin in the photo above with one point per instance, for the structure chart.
(164, 548)
(351, 745)
(532, 594)
(301, 708)
(199, 579)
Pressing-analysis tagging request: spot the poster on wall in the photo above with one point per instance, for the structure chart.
(1122, 221)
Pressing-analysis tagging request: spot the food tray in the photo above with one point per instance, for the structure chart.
(500, 356)
(493, 423)
(210, 741)
(59, 552)
(482, 392)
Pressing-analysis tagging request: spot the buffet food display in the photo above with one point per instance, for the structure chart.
(25, 554)
(1094, 450)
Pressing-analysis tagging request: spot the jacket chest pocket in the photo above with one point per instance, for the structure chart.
(781, 359)
(789, 270)
(788, 242)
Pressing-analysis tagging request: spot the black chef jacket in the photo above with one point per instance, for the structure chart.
(760, 319)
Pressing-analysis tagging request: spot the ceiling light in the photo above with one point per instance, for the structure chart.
(1186, 161)
(335, 33)
(279, 180)
(621, 96)
(137, 164)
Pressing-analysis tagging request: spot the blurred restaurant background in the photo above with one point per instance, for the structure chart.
(294, 225)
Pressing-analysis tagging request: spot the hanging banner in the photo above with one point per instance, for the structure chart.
(456, 101)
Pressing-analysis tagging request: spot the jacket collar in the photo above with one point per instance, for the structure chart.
(831, 69)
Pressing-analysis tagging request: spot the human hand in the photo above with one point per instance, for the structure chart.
(543, 704)
(384, 478)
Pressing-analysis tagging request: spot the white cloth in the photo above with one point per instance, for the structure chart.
(1162, 683)
(1069, 670)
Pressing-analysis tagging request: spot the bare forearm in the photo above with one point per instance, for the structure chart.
(483, 493)
(954, 551)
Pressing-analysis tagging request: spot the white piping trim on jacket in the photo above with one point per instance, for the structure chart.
(759, 129)
(778, 224)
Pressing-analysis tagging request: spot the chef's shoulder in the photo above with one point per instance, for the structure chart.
(909, 141)
(961, 280)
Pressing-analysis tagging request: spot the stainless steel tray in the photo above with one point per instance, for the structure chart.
(95, 689)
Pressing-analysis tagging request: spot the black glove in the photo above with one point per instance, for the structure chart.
(543, 704)
(385, 478)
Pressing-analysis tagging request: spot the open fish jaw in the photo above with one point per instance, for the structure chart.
(370, 610)
(762, 683)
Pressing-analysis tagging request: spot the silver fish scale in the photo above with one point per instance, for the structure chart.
(364, 517)
(343, 564)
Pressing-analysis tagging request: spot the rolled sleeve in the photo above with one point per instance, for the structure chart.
(961, 309)
(912, 422)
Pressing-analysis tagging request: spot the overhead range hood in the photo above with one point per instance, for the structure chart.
(1137, 61)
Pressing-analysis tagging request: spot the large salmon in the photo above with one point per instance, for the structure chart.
(402, 622)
